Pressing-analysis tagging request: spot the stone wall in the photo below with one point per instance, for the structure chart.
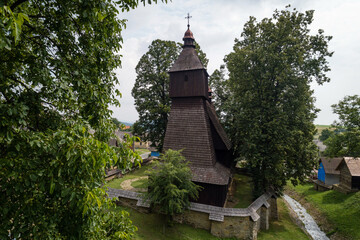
(239, 227)
(195, 219)
(242, 223)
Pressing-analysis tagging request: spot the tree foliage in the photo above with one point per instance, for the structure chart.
(325, 134)
(170, 185)
(151, 89)
(347, 140)
(269, 108)
(56, 84)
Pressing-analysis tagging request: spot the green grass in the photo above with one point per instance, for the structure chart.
(150, 226)
(284, 228)
(141, 183)
(115, 183)
(341, 210)
(243, 192)
(323, 126)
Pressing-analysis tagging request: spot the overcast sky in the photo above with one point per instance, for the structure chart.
(217, 23)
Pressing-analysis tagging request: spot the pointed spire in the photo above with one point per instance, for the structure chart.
(188, 36)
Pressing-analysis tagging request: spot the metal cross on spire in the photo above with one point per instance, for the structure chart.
(188, 18)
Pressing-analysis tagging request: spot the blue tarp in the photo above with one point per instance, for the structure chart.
(155, 154)
(321, 173)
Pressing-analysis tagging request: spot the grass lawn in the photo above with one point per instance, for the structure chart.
(242, 195)
(141, 183)
(115, 183)
(341, 210)
(284, 228)
(151, 226)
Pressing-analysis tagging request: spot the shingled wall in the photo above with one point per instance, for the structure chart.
(186, 130)
(242, 223)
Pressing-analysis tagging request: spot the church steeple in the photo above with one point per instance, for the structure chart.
(188, 76)
(193, 125)
(188, 36)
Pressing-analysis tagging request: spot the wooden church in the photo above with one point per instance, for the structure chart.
(194, 127)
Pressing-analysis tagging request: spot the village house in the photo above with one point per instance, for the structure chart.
(120, 135)
(327, 173)
(349, 169)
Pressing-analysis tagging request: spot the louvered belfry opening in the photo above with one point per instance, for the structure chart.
(193, 126)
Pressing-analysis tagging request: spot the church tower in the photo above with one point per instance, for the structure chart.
(194, 127)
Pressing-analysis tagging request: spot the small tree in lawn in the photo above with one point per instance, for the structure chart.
(170, 185)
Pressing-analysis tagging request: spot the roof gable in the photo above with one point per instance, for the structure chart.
(353, 164)
(331, 164)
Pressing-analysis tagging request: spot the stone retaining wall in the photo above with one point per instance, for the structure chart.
(242, 223)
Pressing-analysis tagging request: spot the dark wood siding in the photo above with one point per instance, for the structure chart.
(189, 84)
(212, 194)
(345, 176)
(355, 182)
(225, 157)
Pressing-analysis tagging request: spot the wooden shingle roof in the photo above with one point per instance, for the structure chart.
(353, 164)
(217, 174)
(188, 60)
(330, 165)
(219, 129)
(189, 129)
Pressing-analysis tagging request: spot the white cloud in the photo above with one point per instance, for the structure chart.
(216, 24)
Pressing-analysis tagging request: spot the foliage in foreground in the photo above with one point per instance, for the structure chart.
(346, 139)
(151, 89)
(56, 84)
(266, 103)
(342, 210)
(170, 185)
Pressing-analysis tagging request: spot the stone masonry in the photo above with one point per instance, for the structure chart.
(242, 223)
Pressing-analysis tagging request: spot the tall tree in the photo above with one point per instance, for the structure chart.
(220, 93)
(56, 84)
(271, 109)
(346, 141)
(151, 89)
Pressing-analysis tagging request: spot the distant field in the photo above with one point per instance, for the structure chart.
(320, 128)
